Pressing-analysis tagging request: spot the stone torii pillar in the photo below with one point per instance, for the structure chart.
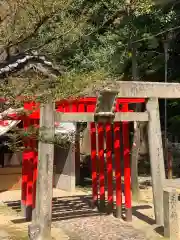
(41, 226)
(156, 158)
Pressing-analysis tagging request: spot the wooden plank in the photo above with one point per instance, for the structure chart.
(156, 158)
(41, 229)
(171, 221)
(89, 117)
(133, 89)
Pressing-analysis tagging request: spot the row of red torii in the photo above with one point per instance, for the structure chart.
(30, 156)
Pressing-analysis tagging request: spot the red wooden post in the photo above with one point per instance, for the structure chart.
(24, 168)
(24, 183)
(31, 157)
(94, 164)
(29, 193)
(60, 107)
(127, 170)
(32, 174)
(100, 127)
(81, 107)
(91, 104)
(117, 156)
(74, 108)
(109, 166)
(67, 107)
(35, 164)
(27, 174)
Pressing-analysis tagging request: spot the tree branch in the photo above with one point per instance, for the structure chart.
(101, 28)
(32, 33)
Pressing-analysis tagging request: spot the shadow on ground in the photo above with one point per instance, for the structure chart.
(64, 208)
(142, 216)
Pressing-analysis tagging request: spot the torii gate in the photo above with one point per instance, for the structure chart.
(105, 112)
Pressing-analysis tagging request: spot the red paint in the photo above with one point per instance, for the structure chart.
(35, 164)
(130, 100)
(67, 107)
(117, 156)
(74, 107)
(100, 128)
(127, 169)
(24, 178)
(30, 169)
(34, 107)
(109, 162)
(4, 123)
(81, 107)
(94, 162)
(60, 108)
(91, 108)
(63, 105)
(25, 164)
(29, 190)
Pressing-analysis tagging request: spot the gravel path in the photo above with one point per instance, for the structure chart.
(80, 222)
(101, 228)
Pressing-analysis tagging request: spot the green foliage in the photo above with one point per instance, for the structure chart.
(92, 40)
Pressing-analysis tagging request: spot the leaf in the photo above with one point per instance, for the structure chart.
(152, 43)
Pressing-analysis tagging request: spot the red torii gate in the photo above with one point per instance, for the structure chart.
(30, 157)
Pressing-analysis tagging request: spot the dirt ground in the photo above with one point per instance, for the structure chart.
(73, 220)
(13, 225)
